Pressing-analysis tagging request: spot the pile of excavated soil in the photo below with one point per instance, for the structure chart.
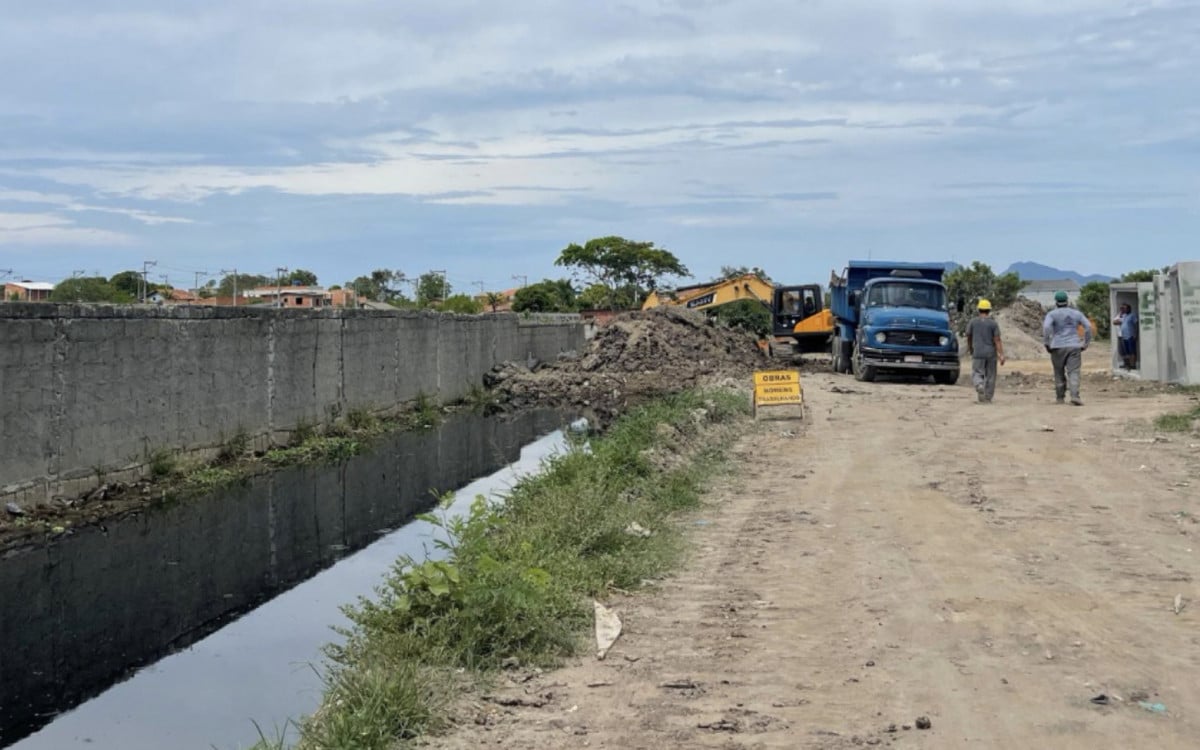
(1020, 329)
(1024, 314)
(636, 356)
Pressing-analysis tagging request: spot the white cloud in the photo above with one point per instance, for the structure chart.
(49, 229)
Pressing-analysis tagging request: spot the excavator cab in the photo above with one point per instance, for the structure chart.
(799, 313)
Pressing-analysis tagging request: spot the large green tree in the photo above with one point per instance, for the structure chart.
(300, 277)
(243, 282)
(615, 262)
(461, 303)
(1145, 275)
(382, 285)
(88, 289)
(978, 281)
(1093, 302)
(548, 295)
(432, 288)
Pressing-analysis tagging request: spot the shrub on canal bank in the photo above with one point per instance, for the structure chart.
(516, 579)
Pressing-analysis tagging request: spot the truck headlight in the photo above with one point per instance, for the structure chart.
(880, 337)
(944, 340)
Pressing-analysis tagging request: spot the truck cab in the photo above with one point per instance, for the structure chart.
(893, 317)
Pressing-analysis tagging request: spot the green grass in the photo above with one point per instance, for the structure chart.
(1179, 422)
(315, 448)
(163, 463)
(516, 580)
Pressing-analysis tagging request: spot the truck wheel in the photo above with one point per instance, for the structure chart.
(946, 377)
(840, 351)
(865, 373)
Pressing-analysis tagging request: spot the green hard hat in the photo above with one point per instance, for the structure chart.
(1060, 297)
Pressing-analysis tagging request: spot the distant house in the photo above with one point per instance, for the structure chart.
(174, 297)
(504, 305)
(27, 291)
(1042, 292)
(302, 297)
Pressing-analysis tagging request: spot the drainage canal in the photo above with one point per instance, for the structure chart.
(179, 626)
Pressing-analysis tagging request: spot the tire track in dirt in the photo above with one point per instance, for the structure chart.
(907, 553)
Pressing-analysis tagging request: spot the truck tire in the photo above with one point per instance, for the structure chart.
(840, 351)
(865, 373)
(946, 377)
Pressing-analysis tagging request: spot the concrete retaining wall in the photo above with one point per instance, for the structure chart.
(95, 390)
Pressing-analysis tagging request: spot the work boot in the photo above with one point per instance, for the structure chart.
(1075, 401)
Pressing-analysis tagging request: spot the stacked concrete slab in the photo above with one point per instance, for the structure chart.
(90, 392)
(1169, 323)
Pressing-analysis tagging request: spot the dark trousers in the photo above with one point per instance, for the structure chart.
(1067, 363)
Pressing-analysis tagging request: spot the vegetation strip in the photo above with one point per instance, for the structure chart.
(516, 579)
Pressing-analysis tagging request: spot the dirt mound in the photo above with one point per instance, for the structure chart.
(636, 356)
(1021, 329)
(1024, 314)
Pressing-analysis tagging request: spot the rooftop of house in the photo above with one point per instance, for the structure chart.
(33, 286)
(1051, 285)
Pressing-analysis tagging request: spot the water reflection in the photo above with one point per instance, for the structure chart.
(84, 612)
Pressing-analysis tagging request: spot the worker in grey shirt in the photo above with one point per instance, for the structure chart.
(1060, 334)
(985, 348)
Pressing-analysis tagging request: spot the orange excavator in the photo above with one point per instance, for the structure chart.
(800, 321)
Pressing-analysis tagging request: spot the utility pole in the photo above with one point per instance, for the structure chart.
(198, 275)
(480, 285)
(4, 274)
(442, 289)
(232, 273)
(523, 279)
(279, 272)
(146, 265)
(78, 294)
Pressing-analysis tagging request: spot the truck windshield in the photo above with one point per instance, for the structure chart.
(907, 294)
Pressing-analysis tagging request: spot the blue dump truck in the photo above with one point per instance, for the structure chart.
(893, 317)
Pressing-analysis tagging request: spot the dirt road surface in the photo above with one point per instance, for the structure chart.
(909, 553)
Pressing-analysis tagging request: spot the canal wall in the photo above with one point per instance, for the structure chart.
(91, 392)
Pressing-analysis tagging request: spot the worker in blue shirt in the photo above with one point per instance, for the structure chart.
(1060, 334)
(1128, 322)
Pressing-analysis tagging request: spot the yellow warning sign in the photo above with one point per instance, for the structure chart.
(777, 387)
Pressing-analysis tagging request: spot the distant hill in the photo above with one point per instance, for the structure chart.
(1030, 271)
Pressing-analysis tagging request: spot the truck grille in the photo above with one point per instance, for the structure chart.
(913, 338)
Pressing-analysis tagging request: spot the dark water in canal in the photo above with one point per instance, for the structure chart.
(177, 627)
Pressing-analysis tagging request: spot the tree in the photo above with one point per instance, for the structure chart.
(128, 283)
(432, 287)
(88, 289)
(598, 296)
(978, 281)
(461, 303)
(494, 300)
(300, 277)
(547, 295)
(1093, 302)
(969, 284)
(243, 282)
(383, 285)
(1140, 275)
(616, 261)
(732, 272)
(749, 314)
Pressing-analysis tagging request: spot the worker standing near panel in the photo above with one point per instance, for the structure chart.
(986, 350)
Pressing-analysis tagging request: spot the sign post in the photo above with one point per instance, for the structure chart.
(777, 388)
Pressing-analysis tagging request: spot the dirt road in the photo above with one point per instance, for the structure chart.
(909, 553)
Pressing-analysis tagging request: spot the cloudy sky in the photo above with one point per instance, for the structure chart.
(482, 137)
